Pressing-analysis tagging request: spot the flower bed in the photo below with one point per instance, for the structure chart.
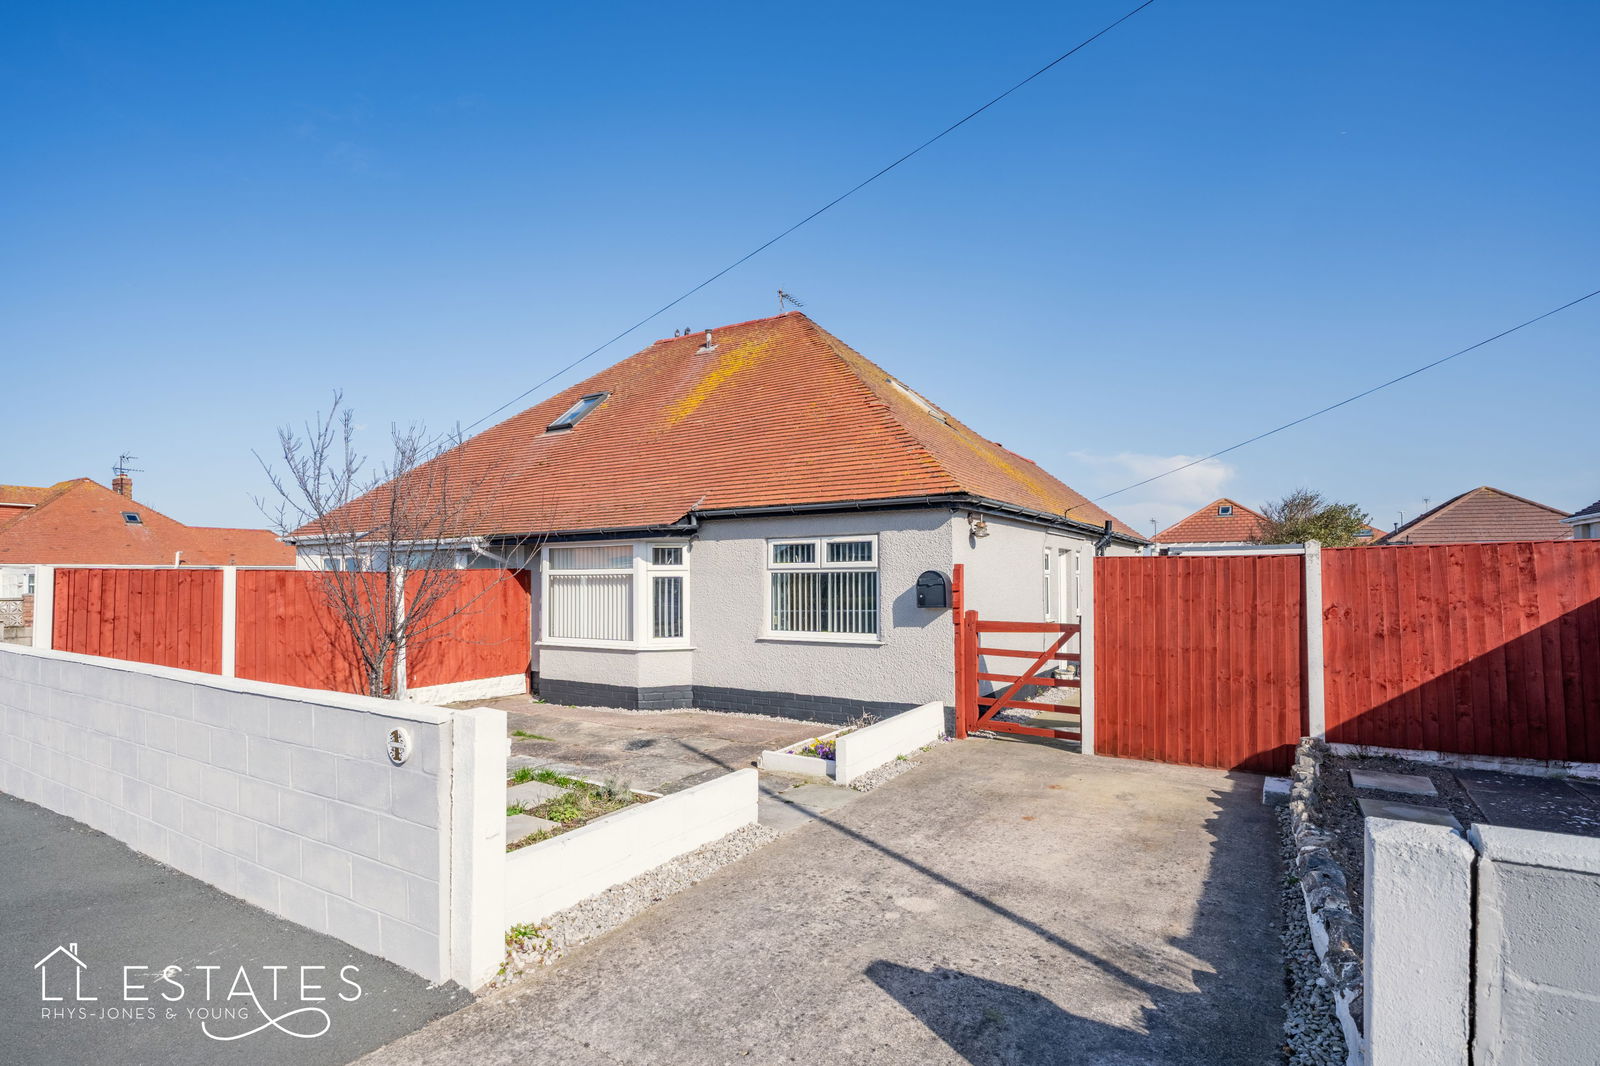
(815, 757)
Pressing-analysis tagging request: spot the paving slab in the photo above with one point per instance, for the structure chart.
(785, 806)
(999, 903)
(1408, 812)
(532, 793)
(1521, 801)
(525, 825)
(1414, 784)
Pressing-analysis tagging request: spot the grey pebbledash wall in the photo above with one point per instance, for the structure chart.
(283, 797)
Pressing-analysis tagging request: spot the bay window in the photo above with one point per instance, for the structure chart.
(823, 587)
(616, 593)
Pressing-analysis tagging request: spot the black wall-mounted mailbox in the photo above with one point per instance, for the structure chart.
(933, 589)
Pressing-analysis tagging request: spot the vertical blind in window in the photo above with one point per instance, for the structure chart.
(591, 606)
(604, 557)
(825, 601)
(667, 598)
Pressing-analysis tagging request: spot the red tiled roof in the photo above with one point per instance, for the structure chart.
(1485, 514)
(1206, 526)
(80, 523)
(780, 413)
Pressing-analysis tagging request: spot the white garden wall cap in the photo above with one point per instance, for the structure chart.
(410, 712)
(1535, 847)
(1402, 833)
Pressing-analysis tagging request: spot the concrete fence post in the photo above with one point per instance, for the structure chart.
(1086, 654)
(1418, 932)
(44, 606)
(476, 902)
(230, 620)
(1316, 669)
(399, 579)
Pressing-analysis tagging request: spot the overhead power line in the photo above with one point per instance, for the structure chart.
(1352, 399)
(819, 211)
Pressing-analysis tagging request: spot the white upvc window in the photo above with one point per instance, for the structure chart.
(823, 588)
(616, 594)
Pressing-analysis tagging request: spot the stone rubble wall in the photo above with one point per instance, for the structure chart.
(1335, 930)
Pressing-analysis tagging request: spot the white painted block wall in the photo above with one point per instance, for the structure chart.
(883, 742)
(283, 797)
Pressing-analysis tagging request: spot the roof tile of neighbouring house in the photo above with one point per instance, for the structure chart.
(1207, 526)
(779, 413)
(80, 523)
(1591, 511)
(1482, 515)
(27, 495)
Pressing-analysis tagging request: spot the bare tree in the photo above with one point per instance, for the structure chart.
(388, 534)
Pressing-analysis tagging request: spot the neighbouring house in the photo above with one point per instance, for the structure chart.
(1482, 515)
(739, 520)
(1585, 522)
(82, 523)
(1221, 523)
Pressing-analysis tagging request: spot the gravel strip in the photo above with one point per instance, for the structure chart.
(887, 772)
(1338, 814)
(597, 915)
(1311, 1031)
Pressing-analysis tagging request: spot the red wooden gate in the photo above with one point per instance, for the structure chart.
(977, 710)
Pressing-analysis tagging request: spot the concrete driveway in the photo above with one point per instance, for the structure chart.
(1001, 903)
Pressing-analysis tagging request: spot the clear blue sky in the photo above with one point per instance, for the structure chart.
(1218, 217)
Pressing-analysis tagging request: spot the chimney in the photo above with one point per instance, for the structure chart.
(709, 345)
(122, 485)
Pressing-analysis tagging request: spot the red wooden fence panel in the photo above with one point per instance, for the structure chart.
(490, 637)
(289, 634)
(169, 617)
(1480, 649)
(1200, 659)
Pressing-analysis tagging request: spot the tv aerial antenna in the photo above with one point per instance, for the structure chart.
(122, 469)
(784, 298)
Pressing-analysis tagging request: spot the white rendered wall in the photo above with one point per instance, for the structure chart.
(1418, 950)
(882, 742)
(911, 662)
(552, 875)
(1537, 967)
(284, 797)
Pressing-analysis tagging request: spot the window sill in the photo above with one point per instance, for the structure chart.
(611, 645)
(820, 638)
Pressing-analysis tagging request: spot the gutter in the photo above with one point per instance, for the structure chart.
(954, 501)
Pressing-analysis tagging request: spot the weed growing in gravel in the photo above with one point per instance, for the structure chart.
(516, 809)
(524, 735)
(522, 775)
(550, 777)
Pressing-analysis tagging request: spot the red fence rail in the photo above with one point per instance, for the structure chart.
(1200, 659)
(165, 617)
(1481, 649)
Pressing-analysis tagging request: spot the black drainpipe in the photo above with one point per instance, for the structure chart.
(1105, 539)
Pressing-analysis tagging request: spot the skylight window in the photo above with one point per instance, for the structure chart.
(1225, 509)
(919, 401)
(577, 411)
(132, 518)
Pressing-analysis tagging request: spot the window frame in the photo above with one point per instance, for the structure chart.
(1224, 510)
(642, 571)
(820, 564)
(581, 408)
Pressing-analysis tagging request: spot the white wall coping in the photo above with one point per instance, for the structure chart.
(1510, 764)
(410, 712)
(1533, 847)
